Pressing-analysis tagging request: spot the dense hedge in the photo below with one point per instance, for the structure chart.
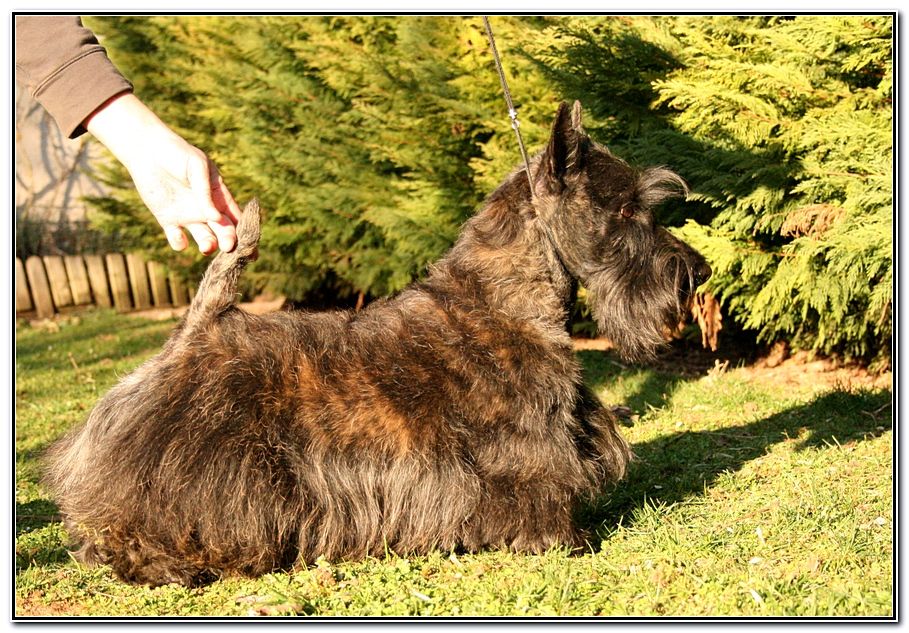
(370, 139)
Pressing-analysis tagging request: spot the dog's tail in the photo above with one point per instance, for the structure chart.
(216, 290)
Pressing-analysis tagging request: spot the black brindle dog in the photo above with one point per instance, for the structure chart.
(451, 416)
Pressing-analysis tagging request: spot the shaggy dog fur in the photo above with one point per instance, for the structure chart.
(452, 415)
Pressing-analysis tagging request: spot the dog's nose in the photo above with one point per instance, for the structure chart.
(702, 273)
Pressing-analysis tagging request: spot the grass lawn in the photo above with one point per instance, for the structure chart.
(756, 492)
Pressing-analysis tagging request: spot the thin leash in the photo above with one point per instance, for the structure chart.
(512, 113)
(546, 230)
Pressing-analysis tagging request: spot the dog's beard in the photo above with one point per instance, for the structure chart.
(635, 310)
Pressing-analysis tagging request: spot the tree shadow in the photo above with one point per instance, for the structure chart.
(653, 388)
(675, 467)
(45, 548)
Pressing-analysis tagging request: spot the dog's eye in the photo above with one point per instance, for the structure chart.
(627, 211)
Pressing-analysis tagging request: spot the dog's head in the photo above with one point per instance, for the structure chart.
(597, 212)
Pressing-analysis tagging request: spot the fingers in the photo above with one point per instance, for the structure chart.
(204, 237)
(195, 199)
(222, 211)
(224, 233)
(199, 176)
(208, 236)
(175, 237)
(221, 196)
(222, 199)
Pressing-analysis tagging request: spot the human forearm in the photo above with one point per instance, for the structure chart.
(64, 67)
(129, 129)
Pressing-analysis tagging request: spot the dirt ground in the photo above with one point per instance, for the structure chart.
(801, 369)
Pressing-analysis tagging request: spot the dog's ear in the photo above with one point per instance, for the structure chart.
(564, 154)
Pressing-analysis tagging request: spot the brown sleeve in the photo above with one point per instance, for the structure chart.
(64, 68)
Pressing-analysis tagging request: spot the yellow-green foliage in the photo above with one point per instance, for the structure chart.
(783, 128)
(814, 92)
(370, 139)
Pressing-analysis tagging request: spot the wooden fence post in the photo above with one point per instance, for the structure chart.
(59, 284)
(78, 280)
(97, 278)
(23, 298)
(178, 290)
(119, 281)
(158, 278)
(37, 281)
(138, 281)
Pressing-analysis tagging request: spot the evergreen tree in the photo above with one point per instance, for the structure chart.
(782, 126)
(370, 139)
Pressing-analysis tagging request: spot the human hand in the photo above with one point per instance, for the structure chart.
(177, 181)
(183, 188)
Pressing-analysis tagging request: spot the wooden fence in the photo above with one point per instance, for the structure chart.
(52, 284)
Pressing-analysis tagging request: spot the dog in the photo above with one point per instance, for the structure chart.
(451, 416)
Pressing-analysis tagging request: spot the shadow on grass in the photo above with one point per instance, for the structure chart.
(654, 388)
(35, 514)
(674, 467)
(654, 382)
(40, 548)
